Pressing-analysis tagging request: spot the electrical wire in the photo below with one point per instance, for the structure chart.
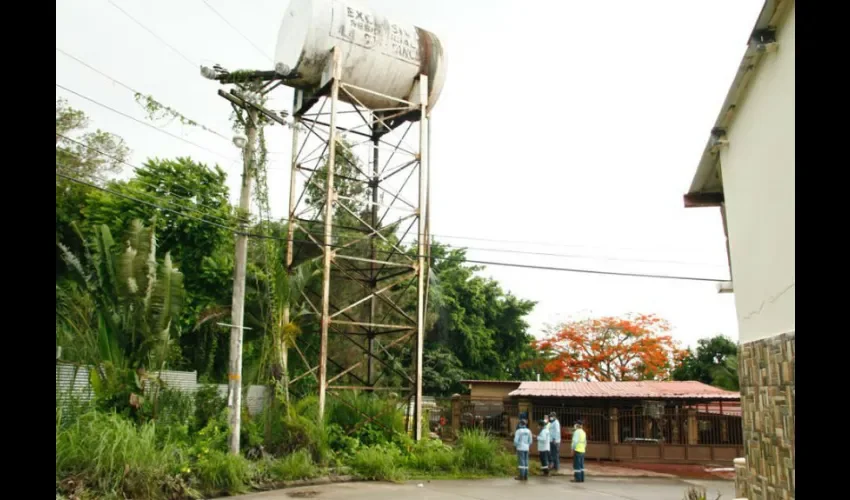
(480, 262)
(136, 169)
(131, 89)
(93, 101)
(139, 23)
(234, 28)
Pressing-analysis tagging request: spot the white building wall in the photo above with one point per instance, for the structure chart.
(758, 181)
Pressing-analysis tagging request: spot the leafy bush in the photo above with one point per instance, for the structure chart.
(173, 407)
(212, 437)
(112, 455)
(251, 435)
(297, 465)
(351, 409)
(297, 427)
(219, 472)
(208, 405)
(379, 463)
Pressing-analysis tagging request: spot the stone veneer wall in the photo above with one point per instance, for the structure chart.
(766, 372)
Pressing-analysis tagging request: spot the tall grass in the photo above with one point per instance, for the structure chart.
(479, 451)
(114, 456)
(378, 463)
(431, 456)
(222, 473)
(298, 465)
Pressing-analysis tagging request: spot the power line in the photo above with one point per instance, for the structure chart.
(136, 169)
(561, 255)
(142, 122)
(173, 49)
(234, 28)
(131, 89)
(126, 196)
(583, 256)
(487, 263)
(593, 271)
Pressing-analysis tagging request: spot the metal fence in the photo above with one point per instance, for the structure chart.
(74, 391)
(595, 422)
(491, 415)
(647, 425)
(679, 426)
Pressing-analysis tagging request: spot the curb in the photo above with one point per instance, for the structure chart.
(298, 483)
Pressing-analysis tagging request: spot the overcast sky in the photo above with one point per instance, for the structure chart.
(566, 127)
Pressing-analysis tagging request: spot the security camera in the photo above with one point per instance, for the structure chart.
(239, 140)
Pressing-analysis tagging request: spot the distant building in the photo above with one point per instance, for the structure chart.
(680, 422)
(748, 170)
(490, 389)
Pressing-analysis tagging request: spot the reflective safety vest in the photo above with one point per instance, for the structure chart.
(579, 441)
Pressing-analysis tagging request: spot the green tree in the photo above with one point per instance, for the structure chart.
(194, 229)
(441, 372)
(120, 310)
(478, 322)
(713, 362)
(88, 157)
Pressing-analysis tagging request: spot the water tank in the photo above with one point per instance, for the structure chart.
(376, 53)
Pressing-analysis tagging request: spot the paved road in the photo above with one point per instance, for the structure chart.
(507, 489)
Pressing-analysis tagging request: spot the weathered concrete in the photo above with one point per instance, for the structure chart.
(508, 489)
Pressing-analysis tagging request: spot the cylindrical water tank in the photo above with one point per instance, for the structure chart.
(376, 54)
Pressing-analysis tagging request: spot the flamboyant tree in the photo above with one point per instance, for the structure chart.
(632, 347)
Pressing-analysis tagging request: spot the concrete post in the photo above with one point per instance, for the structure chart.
(693, 427)
(614, 426)
(456, 415)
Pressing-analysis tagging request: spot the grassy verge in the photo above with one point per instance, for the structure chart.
(107, 455)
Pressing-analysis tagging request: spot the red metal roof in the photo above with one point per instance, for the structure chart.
(639, 390)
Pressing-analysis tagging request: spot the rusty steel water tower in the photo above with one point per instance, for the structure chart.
(364, 89)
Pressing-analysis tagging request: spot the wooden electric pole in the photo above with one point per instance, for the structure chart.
(234, 392)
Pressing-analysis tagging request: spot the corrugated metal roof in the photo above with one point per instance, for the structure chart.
(639, 390)
(499, 382)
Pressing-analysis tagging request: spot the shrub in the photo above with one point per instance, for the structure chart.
(113, 456)
(297, 428)
(297, 465)
(351, 409)
(379, 463)
(173, 407)
(208, 405)
(219, 472)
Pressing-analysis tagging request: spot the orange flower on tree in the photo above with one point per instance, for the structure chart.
(633, 347)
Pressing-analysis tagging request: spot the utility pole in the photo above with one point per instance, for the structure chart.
(234, 400)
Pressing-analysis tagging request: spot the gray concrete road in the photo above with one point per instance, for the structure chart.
(507, 489)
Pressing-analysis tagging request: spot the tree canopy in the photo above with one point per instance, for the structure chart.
(474, 328)
(610, 348)
(714, 362)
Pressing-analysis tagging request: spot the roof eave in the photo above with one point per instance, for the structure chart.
(699, 194)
